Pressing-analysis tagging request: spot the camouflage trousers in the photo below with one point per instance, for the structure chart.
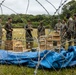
(63, 40)
(0, 41)
(75, 38)
(67, 36)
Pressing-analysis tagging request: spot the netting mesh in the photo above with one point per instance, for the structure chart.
(9, 69)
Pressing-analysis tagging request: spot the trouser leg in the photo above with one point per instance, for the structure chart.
(75, 39)
(75, 42)
(69, 39)
(63, 41)
(0, 42)
(29, 43)
(9, 36)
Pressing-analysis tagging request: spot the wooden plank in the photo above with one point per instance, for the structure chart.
(8, 45)
(17, 46)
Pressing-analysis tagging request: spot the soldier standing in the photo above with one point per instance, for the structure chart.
(9, 29)
(75, 29)
(63, 33)
(28, 36)
(58, 25)
(70, 25)
(1, 33)
(41, 30)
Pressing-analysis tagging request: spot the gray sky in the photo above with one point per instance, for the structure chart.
(20, 6)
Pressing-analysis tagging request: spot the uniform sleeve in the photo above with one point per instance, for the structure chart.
(55, 27)
(6, 27)
(25, 27)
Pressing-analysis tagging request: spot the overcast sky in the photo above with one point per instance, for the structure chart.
(34, 8)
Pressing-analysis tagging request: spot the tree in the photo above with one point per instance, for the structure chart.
(70, 7)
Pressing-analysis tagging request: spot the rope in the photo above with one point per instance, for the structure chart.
(2, 2)
(1, 5)
(43, 7)
(61, 2)
(58, 10)
(1, 10)
(52, 5)
(60, 6)
(10, 9)
(35, 72)
(27, 6)
(15, 13)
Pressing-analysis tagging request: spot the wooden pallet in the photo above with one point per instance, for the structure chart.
(50, 41)
(8, 45)
(17, 46)
(42, 43)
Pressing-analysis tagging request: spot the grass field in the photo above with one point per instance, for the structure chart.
(22, 70)
(19, 34)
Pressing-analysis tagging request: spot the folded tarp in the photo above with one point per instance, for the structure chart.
(45, 58)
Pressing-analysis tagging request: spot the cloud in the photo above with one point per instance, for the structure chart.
(35, 8)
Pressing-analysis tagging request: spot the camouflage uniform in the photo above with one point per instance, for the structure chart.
(75, 32)
(40, 30)
(0, 34)
(58, 26)
(70, 25)
(63, 34)
(28, 35)
(75, 35)
(9, 29)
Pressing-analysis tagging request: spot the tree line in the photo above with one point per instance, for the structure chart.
(19, 20)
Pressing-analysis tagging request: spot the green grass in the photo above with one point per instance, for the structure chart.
(19, 34)
(24, 70)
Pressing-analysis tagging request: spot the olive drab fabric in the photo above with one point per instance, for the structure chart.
(75, 32)
(28, 35)
(58, 25)
(9, 29)
(1, 34)
(41, 29)
(63, 34)
(70, 25)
